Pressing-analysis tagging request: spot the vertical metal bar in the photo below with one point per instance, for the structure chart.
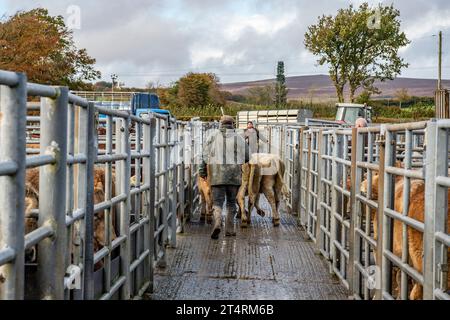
(435, 199)
(108, 196)
(334, 201)
(151, 201)
(52, 191)
(353, 246)
(82, 135)
(165, 165)
(386, 234)
(174, 165)
(12, 196)
(89, 217)
(319, 239)
(125, 206)
(146, 162)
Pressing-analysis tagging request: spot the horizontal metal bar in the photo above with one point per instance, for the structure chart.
(406, 126)
(441, 295)
(369, 166)
(78, 158)
(136, 226)
(443, 181)
(40, 90)
(41, 160)
(6, 254)
(109, 204)
(111, 158)
(111, 112)
(140, 189)
(100, 254)
(139, 260)
(34, 119)
(140, 120)
(9, 78)
(78, 101)
(76, 215)
(119, 283)
(413, 273)
(419, 226)
(36, 236)
(8, 168)
(366, 201)
(118, 241)
(366, 237)
(443, 238)
(413, 174)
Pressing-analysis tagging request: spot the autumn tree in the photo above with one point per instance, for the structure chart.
(360, 46)
(43, 47)
(198, 90)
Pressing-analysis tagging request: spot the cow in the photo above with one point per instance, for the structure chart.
(32, 204)
(262, 175)
(416, 211)
(204, 188)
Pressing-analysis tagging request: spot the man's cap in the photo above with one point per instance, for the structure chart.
(227, 120)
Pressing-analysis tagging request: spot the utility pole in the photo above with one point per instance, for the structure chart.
(440, 62)
(442, 96)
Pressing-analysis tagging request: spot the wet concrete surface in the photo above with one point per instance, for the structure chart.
(261, 263)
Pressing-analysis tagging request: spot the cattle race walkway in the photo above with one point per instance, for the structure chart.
(261, 263)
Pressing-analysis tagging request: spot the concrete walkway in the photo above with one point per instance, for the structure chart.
(262, 262)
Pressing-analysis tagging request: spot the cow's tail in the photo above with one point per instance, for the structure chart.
(253, 186)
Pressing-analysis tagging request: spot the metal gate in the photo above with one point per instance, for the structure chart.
(120, 172)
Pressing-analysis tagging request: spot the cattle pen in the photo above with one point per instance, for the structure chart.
(351, 225)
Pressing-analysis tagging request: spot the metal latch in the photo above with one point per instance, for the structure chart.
(72, 280)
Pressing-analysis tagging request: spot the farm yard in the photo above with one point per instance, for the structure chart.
(302, 187)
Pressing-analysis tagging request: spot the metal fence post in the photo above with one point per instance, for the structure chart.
(151, 201)
(353, 248)
(88, 253)
(334, 203)
(52, 190)
(12, 148)
(435, 151)
(386, 230)
(125, 171)
(319, 240)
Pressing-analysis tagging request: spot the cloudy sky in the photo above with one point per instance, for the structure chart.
(160, 40)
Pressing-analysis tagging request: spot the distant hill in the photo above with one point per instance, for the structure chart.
(320, 87)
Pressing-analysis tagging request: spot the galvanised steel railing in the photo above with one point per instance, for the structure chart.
(374, 200)
(103, 196)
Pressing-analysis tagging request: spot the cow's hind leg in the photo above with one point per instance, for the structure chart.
(241, 204)
(260, 211)
(269, 192)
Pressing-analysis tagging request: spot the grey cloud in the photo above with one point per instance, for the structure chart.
(147, 36)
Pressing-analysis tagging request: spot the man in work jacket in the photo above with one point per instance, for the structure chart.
(223, 155)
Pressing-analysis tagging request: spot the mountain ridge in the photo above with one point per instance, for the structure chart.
(320, 87)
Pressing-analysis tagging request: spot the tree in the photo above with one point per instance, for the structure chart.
(198, 90)
(263, 95)
(280, 89)
(43, 47)
(402, 95)
(364, 97)
(358, 52)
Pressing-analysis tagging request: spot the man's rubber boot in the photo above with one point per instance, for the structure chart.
(217, 223)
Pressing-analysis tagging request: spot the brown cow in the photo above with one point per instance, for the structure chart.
(204, 188)
(32, 203)
(416, 211)
(263, 174)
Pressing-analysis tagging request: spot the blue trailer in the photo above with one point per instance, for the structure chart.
(141, 104)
